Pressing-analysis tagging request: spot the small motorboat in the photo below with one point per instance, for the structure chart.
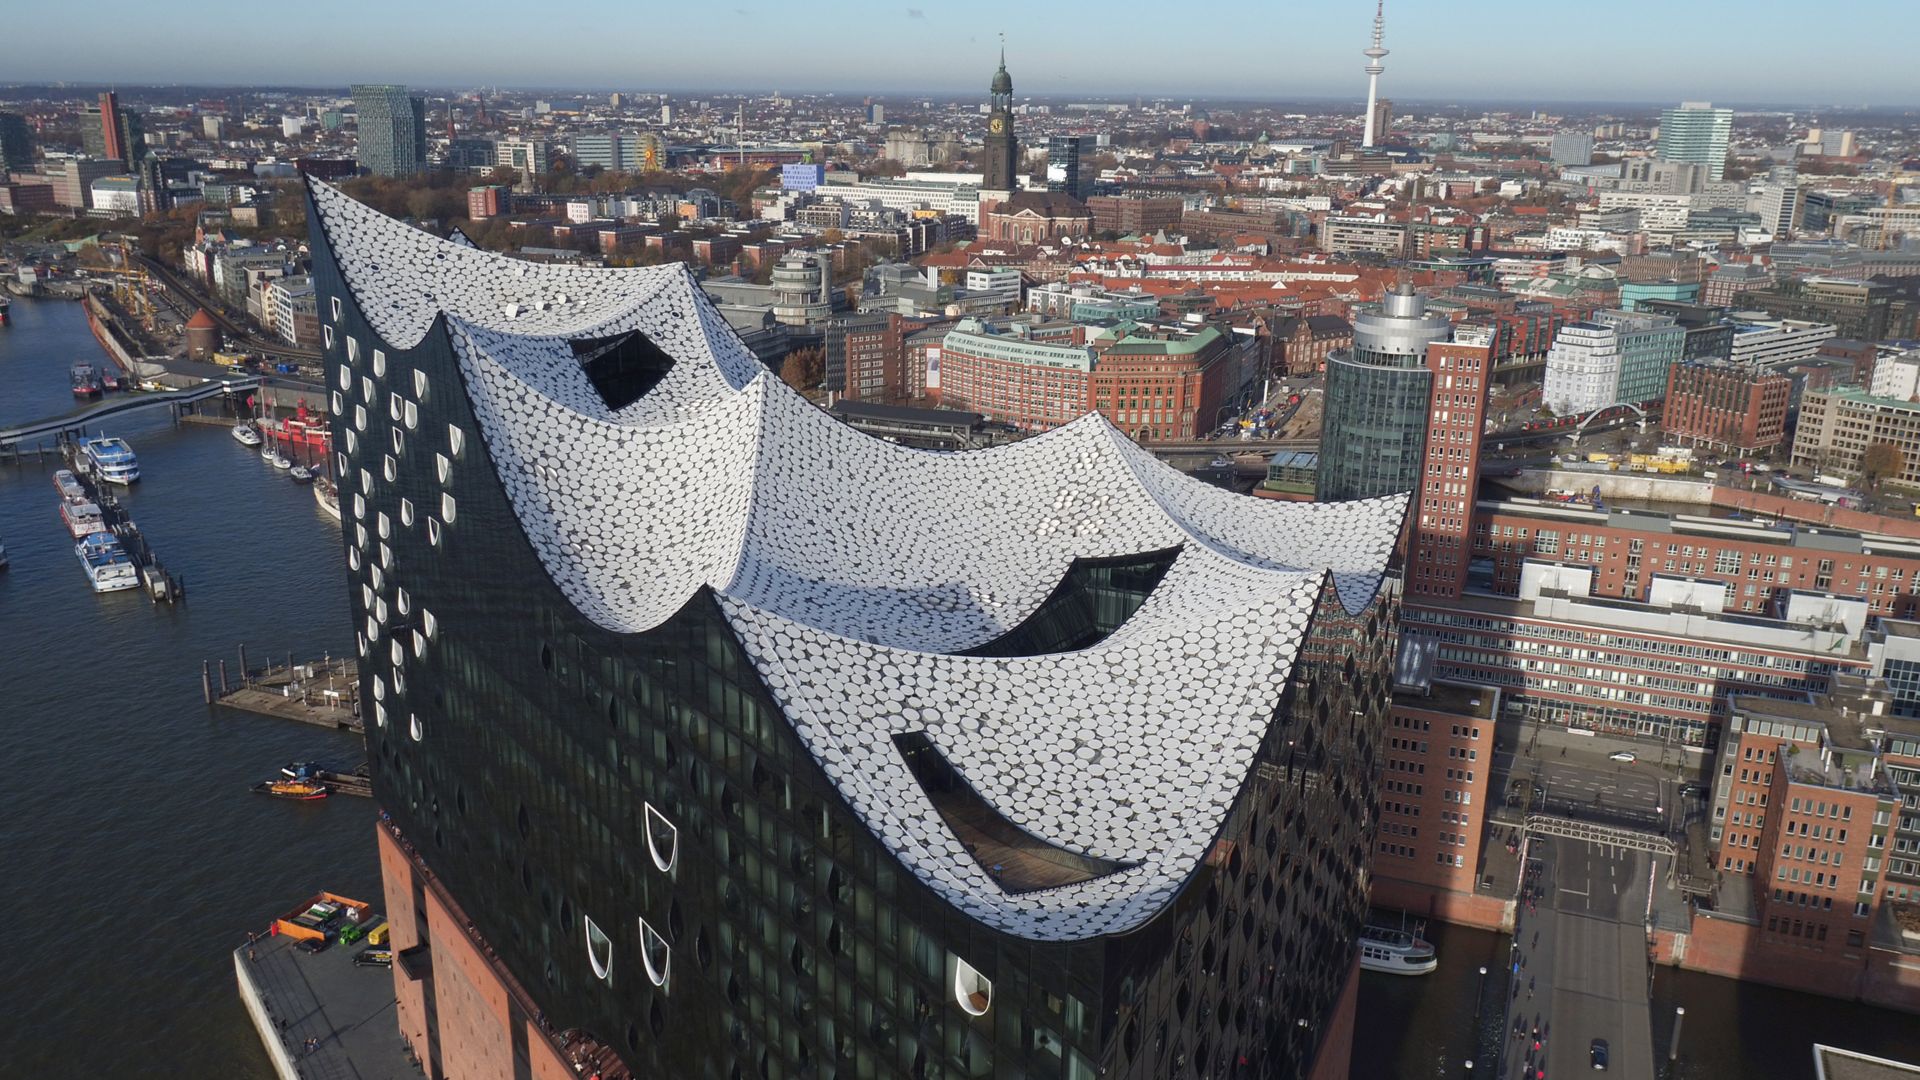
(303, 790)
(301, 474)
(267, 454)
(246, 435)
(109, 380)
(281, 461)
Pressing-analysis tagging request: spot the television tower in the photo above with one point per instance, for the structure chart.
(1374, 68)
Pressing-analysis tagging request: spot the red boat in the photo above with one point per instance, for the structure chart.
(86, 381)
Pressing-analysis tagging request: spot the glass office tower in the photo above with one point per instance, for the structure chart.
(392, 130)
(714, 739)
(1373, 433)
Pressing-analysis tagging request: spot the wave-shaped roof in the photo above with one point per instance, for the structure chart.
(856, 571)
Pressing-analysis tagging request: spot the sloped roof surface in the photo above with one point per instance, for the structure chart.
(855, 571)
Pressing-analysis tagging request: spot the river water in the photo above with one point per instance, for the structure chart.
(132, 856)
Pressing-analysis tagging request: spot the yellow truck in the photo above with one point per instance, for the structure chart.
(229, 359)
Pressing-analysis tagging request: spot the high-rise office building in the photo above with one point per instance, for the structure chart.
(1572, 148)
(714, 738)
(1063, 165)
(16, 144)
(1698, 134)
(114, 133)
(1374, 428)
(1002, 148)
(393, 130)
(1613, 357)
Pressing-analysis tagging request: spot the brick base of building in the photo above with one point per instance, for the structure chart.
(1334, 1059)
(460, 1017)
(1737, 950)
(1482, 912)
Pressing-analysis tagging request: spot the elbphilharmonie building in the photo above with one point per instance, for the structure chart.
(714, 739)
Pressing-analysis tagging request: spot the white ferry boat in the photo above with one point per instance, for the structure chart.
(107, 563)
(1395, 952)
(112, 460)
(82, 518)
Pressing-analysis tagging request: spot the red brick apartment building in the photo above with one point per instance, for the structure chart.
(1818, 849)
(1435, 801)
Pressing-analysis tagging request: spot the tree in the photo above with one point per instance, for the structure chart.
(1879, 462)
(804, 368)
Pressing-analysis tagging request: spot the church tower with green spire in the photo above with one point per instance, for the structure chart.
(1003, 150)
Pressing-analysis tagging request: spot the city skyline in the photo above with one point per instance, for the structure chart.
(925, 49)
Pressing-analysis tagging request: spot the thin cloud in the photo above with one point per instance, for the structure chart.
(915, 13)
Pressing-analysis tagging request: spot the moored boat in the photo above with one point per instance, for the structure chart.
(86, 381)
(107, 564)
(281, 461)
(301, 474)
(287, 788)
(110, 379)
(1395, 952)
(246, 435)
(82, 518)
(327, 496)
(112, 460)
(69, 486)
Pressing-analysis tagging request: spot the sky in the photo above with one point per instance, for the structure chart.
(1518, 51)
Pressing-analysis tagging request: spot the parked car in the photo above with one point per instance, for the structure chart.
(1627, 756)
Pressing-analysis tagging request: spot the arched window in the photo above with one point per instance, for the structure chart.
(971, 989)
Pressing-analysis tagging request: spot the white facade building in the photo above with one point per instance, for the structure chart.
(1583, 368)
(1773, 343)
(1897, 376)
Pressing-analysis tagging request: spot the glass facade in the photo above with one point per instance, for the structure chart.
(645, 845)
(1374, 431)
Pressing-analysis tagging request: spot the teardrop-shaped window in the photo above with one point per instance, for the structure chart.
(599, 949)
(655, 955)
(413, 726)
(663, 840)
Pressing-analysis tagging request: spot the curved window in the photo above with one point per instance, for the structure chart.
(428, 624)
(367, 389)
(359, 507)
(359, 532)
(419, 383)
(455, 439)
(446, 508)
(363, 644)
(390, 468)
(353, 558)
(339, 403)
(442, 467)
(399, 441)
(353, 446)
(655, 955)
(340, 460)
(972, 990)
(346, 377)
(398, 652)
(366, 481)
(419, 643)
(410, 413)
(402, 601)
(384, 523)
(393, 406)
(413, 726)
(380, 610)
(353, 350)
(663, 840)
(379, 715)
(433, 532)
(406, 511)
(380, 363)
(359, 418)
(386, 557)
(379, 688)
(599, 949)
